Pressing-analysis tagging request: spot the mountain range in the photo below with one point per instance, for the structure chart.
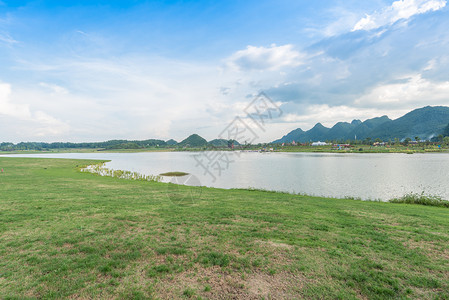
(425, 123)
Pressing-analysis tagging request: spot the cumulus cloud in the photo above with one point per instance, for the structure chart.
(265, 58)
(329, 115)
(11, 109)
(412, 91)
(134, 97)
(38, 123)
(399, 10)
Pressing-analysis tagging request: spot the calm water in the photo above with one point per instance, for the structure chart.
(367, 176)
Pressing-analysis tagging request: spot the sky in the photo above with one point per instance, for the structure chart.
(99, 70)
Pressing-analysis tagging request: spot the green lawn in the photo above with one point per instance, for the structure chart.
(64, 233)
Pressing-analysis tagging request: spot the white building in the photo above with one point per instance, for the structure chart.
(319, 143)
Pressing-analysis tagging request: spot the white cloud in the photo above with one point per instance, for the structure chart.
(10, 109)
(330, 115)
(263, 58)
(38, 123)
(131, 98)
(54, 88)
(431, 64)
(143, 96)
(415, 91)
(5, 38)
(343, 20)
(399, 10)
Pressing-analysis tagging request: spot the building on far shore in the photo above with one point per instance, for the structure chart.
(341, 146)
(319, 143)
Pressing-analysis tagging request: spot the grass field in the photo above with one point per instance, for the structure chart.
(67, 234)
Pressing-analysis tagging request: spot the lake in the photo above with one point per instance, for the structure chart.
(366, 176)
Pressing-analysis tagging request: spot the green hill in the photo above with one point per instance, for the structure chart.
(316, 133)
(341, 130)
(222, 143)
(425, 123)
(295, 135)
(193, 141)
(446, 131)
(171, 142)
(363, 130)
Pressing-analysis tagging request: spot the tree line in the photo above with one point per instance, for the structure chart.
(112, 144)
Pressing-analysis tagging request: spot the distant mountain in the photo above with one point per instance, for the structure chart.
(446, 131)
(425, 123)
(342, 129)
(316, 133)
(171, 142)
(363, 130)
(295, 135)
(193, 141)
(220, 143)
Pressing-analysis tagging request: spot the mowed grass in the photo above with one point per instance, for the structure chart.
(67, 234)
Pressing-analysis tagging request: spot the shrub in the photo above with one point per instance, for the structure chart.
(421, 199)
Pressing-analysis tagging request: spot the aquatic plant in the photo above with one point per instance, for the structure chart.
(100, 169)
(177, 174)
(421, 199)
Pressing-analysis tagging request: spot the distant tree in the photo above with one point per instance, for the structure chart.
(417, 138)
(446, 131)
(378, 140)
(440, 138)
(446, 140)
(407, 141)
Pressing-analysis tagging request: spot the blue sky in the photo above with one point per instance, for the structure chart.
(98, 70)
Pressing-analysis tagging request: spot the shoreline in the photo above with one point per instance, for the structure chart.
(296, 150)
(97, 168)
(69, 234)
(384, 193)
